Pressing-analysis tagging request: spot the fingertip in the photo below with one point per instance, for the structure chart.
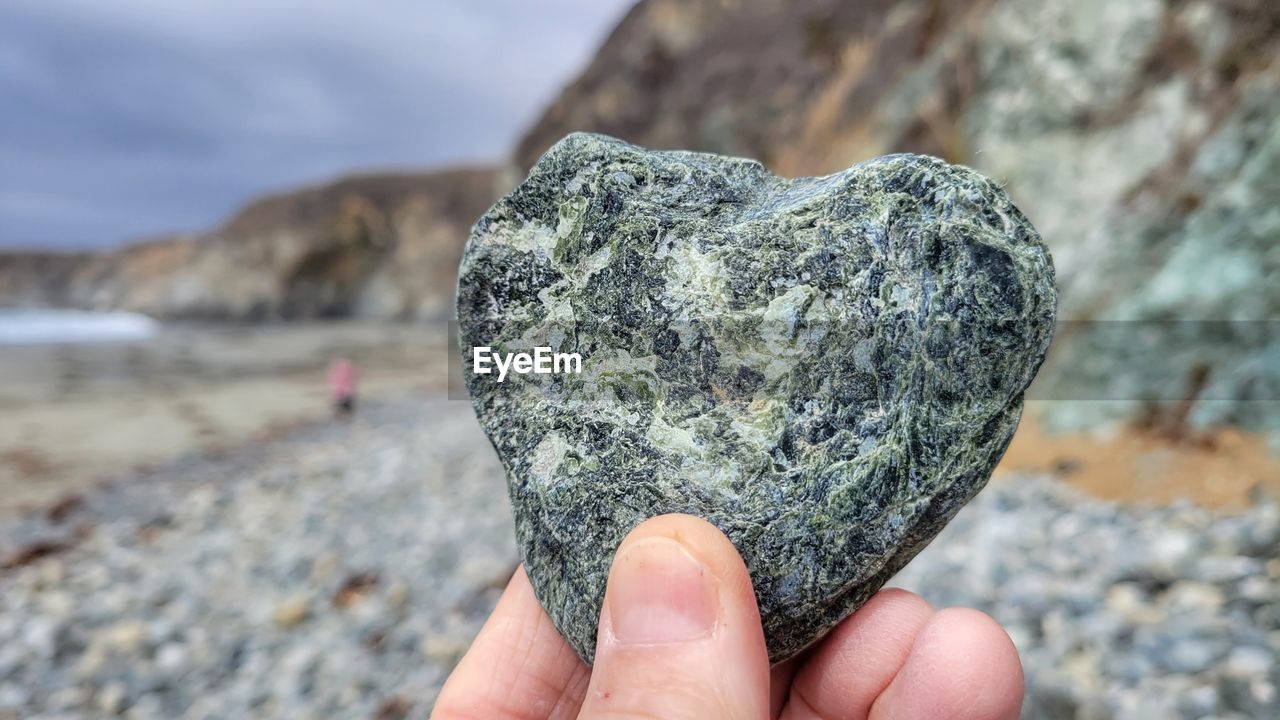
(845, 673)
(998, 689)
(699, 537)
(963, 665)
(881, 632)
(680, 633)
(712, 549)
(892, 605)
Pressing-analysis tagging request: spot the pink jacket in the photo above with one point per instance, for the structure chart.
(342, 379)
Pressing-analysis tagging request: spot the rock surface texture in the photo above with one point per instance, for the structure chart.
(825, 368)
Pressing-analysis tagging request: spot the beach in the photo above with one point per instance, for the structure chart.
(193, 535)
(80, 413)
(341, 569)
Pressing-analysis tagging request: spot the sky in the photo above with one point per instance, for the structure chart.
(132, 118)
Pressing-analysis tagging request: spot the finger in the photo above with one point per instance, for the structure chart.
(679, 634)
(963, 665)
(518, 668)
(842, 677)
(780, 684)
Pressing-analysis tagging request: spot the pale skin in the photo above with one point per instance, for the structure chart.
(680, 638)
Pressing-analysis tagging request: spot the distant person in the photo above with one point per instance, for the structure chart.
(342, 387)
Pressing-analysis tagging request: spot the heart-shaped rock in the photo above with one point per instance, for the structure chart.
(825, 368)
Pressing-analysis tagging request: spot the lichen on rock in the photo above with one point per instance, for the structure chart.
(825, 368)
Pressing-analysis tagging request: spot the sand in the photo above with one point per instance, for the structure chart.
(79, 414)
(1223, 468)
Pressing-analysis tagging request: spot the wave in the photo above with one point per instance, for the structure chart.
(41, 327)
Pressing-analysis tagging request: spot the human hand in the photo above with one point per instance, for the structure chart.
(680, 637)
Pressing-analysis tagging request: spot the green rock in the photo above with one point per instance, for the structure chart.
(825, 368)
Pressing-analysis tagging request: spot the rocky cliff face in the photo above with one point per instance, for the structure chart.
(380, 246)
(1142, 138)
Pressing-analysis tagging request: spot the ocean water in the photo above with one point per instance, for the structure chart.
(43, 327)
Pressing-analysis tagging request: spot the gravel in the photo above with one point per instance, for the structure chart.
(342, 571)
(1138, 613)
(339, 574)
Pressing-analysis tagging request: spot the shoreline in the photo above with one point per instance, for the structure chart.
(80, 414)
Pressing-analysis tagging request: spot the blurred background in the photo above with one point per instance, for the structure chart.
(206, 208)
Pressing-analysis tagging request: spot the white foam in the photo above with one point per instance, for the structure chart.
(41, 327)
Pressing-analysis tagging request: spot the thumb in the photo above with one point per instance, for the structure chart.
(679, 634)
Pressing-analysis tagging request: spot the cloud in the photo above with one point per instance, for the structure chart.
(135, 117)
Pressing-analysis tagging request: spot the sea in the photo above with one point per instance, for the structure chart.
(47, 327)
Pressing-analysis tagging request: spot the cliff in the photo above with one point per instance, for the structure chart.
(376, 245)
(1142, 138)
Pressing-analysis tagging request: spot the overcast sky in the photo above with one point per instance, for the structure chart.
(128, 118)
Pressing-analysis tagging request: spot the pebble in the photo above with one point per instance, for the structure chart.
(12, 696)
(171, 658)
(1250, 661)
(111, 698)
(701, 421)
(1129, 601)
(1193, 595)
(292, 612)
(444, 647)
(125, 637)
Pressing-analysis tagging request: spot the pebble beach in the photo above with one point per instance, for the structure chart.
(341, 570)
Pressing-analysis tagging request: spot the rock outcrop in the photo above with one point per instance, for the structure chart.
(384, 246)
(1142, 139)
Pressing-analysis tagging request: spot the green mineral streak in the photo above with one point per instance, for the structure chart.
(826, 368)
